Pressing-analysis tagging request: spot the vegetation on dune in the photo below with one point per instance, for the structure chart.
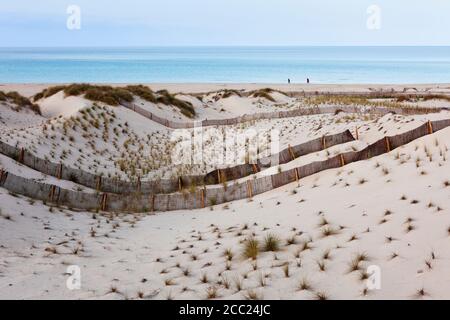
(229, 92)
(251, 248)
(117, 95)
(108, 95)
(415, 98)
(185, 107)
(271, 243)
(143, 92)
(48, 92)
(368, 100)
(263, 93)
(19, 100)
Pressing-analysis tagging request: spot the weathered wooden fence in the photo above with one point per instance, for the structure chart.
(206, 196)
(110, 185)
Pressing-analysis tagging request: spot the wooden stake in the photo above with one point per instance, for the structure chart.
(291, 152)
(388, 145)
(324, 145)
(59, 171)
(3, 176)
(99, 183)
(255, 168)
(430, 127)
(249, 189)
(21, 155)
(357, 133)
(203, 197)
(104, 201)
(180, 184)
(218, 176)
(152, 202)
(52, 193)
(342, 160)
(296, 175)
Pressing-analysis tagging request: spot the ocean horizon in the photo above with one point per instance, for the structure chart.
(321, 64)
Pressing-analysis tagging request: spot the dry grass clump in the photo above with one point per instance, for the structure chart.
(252, 295)
(229, 92)
(143, 92)
(367, 100)
(263, 93)
(271, 243)
(110, 95)
(48, 92)
(212, 292)
(251, 248)
(116, 95)
(185, 107)
(304, 285)
(19, 100)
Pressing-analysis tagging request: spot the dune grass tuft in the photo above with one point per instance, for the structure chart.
(251, 248)
(271, 243)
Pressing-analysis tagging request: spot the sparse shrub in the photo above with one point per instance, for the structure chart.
(251, 248)
(271, 243)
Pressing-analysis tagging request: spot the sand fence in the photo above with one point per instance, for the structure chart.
(111, 185)
(208, 195)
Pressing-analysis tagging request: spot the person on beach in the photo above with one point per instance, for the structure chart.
(307, 80)
(289, 81)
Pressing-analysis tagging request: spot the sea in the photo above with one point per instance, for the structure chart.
(322, 65)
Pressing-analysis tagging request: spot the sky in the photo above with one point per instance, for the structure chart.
(43, 23)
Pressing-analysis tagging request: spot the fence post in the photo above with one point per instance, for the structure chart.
(255, 168)
(3, 176)
(60, 171)
(180, 184)
(21, 155)
(99, 183)
(218, 176)
(249, 189)
(297, 176)
(152, 202)
(203, 197)
(357, 133)
(139, 184)
(324, 145)
(388, 144)
(342, 160)
(51, 194)
(104, 202)
(291, 152)
(430, 127)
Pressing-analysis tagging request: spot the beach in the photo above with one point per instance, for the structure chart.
(357, 206)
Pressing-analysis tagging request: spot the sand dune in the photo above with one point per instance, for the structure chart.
(318, 238)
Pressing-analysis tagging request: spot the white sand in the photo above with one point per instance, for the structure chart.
(137, 256)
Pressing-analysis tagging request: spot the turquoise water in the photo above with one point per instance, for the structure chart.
(227, 64)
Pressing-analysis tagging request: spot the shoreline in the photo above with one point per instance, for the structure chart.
(29, 89)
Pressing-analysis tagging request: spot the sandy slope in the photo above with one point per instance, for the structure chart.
(398, 216)
(393, 211)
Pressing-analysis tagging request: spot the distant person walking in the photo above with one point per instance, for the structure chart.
(307, 80)
(289, 81)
